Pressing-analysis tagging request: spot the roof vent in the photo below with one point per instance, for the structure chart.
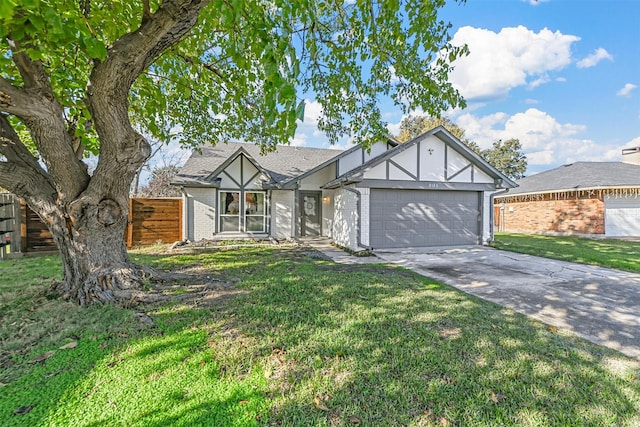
(631, 156)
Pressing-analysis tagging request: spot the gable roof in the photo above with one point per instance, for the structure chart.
(580, 176)
(284, 164)
(446, 137)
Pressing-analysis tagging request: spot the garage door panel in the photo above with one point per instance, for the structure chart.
(622, 217)
(402, 218)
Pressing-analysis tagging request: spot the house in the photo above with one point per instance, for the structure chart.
(431, 191)
(590, 199)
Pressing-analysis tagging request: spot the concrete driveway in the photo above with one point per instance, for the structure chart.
(599, 304)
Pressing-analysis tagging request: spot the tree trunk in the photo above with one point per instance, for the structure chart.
(97, 268)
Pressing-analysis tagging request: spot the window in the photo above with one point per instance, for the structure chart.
(229, 211)
(251, 204)
(254, 211)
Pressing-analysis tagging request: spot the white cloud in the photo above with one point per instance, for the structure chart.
(531, 101)
(312, 112)
(299, 140)
(499, 62)
(626, 90)
(545, 141)
(593, 59)
(535, 2)
(538, 82)
(635, 142)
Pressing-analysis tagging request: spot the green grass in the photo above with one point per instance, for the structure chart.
(620, 254)
(303, 342)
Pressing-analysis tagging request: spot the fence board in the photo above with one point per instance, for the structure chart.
(150, 221)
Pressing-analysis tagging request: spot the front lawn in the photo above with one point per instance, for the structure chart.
(281, 337)
(620, 254)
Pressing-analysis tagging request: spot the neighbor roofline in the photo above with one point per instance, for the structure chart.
(567, 190)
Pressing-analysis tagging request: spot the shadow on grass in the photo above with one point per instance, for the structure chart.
(395, 348)
(315, 343)
(611, 253)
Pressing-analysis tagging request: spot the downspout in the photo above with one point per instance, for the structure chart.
(359, 210)
(185, 214)
(491, 219)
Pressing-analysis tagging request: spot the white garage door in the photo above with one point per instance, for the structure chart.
(622, 217)
(418, 218)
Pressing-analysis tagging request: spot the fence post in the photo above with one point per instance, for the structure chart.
(130, 224)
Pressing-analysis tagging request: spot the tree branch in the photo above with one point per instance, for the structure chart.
(32, 72)
(38, 108)
(21, 173)
(122, 150)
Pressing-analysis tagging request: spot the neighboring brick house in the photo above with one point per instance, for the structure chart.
(431, 191)
(583, 198)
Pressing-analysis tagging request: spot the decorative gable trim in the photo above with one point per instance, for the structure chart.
(448, 140)
(240, 153)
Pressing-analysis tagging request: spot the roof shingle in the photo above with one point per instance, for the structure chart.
(580, 175)
(284, 164)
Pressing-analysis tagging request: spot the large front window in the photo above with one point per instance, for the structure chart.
(242, 211)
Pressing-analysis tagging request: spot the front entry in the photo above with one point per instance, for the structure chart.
(310, 214)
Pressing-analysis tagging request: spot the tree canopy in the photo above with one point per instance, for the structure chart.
(505, 156)
(159, 184)
(101, 76)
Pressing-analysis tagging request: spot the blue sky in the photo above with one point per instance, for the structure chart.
(562, 76)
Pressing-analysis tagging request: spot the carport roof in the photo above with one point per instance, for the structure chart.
(580, 176)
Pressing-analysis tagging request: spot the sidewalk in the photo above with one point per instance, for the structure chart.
(322, 244)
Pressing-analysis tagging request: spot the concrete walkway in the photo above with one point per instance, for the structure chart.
(599, 304)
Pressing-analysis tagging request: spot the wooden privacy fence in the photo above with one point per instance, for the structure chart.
(150, 221)
(154, 220)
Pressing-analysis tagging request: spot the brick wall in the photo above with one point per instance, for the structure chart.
(571, 215)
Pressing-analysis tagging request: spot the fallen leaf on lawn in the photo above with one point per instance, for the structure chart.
(204, 362)
(243, 402)
(429, 413)
(42, 357)
(68, 346)
(52, 374)
(103, 345)
(497, 397)
(23, 410)
(354, 420)
(320, 405)
(553, 329)
(444, 421)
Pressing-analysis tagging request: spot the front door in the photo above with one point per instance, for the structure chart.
(310, 214)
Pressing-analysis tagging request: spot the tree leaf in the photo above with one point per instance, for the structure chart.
(320, 404)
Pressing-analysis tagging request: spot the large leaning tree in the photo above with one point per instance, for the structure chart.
(90, 76)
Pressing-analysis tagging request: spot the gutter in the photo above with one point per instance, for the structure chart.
(575, 189)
